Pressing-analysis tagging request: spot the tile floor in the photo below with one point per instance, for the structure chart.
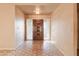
(34, 48)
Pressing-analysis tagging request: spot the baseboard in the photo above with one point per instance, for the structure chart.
(61, 51)
(19, 45)
(58, 48)
(7, 48)
(11, 48)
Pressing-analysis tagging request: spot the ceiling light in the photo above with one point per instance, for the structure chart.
(37, 10)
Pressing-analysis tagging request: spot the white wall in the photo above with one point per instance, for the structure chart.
(7, 34)
(29, 29)
(19, 26)
(46, 28)
(62, 28)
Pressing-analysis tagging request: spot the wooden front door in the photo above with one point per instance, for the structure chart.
(37, 29)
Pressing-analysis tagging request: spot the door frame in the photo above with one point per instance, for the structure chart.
(75, 34)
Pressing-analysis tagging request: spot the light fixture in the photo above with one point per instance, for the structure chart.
(37, 10)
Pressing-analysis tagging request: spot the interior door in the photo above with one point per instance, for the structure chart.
(37, 29)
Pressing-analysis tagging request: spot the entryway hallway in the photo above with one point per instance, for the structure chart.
(48, 29)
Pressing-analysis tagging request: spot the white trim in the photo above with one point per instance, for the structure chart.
(7, 48)
(52, 42)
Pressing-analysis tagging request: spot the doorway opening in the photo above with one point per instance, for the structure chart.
(37, 29)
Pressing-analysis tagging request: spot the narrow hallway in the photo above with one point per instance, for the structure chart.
(38, 29)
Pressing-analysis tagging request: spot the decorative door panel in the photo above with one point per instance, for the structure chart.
(37, 29)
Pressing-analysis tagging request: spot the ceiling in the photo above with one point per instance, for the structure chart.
(45, 8)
